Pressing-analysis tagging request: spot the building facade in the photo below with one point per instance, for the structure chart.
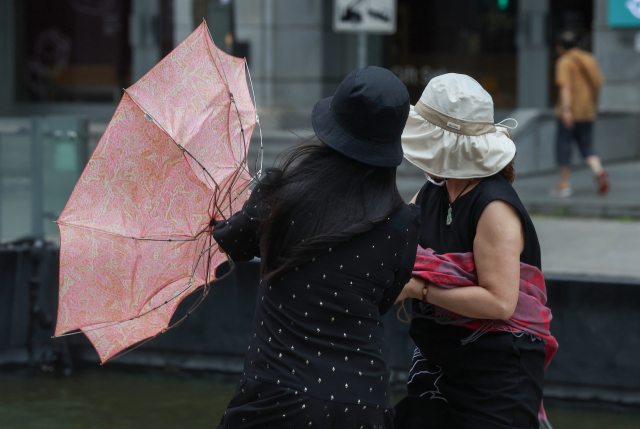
(76, 56)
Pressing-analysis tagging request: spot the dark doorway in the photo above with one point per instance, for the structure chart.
(474, 37)
(72, 51)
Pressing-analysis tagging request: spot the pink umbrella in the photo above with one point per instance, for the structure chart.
(135, 236)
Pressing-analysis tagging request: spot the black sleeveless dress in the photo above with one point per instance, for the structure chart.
(496, 380)
(315, 356)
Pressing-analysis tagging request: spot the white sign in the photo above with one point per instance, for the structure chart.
(634, 7)
(364, 16)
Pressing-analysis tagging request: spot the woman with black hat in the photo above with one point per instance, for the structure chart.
(337, 245)
(469, 370)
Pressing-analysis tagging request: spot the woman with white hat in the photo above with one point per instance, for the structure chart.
(461, 377)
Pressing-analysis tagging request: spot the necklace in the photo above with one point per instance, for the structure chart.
(449, 215)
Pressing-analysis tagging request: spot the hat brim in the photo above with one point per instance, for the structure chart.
(443, 153)
(334, 135)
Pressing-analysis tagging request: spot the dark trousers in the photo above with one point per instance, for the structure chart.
(581, 133)
(494, 382)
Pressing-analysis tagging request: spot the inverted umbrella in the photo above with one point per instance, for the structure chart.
(135, 236)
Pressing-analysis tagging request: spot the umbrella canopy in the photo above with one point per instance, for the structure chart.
(135, 235)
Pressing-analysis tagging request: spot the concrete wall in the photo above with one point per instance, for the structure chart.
(620, 63)
(143, 38)
(533, 53)
(295, 58)
(598, 333)
(285, 49)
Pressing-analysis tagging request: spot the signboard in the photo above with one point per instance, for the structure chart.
(624, 13)
(364, 16)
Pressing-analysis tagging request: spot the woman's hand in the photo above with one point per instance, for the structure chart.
(413, 289)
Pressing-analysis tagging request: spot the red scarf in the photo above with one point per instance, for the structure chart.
(459, 269)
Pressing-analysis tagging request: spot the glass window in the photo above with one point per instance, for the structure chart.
(72, 50)
(474, 37)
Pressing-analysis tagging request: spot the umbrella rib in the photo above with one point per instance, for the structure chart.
(241, 166)
(189, 285)
(130, 318)
(178, 322)
(255, 106)
(244, 160)
(182, 148)
(127, 236)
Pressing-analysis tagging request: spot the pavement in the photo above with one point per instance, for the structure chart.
(587, 234)
(622, 201)
(589, 247)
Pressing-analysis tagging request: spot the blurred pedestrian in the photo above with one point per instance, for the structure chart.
(337, 245)
(579, 80)
(467, 372)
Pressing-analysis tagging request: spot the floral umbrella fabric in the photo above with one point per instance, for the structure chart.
(136, 232)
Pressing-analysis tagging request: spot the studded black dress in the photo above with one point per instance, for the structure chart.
(315, 356)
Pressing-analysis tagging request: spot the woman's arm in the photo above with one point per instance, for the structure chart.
(413, 289)
(497, 247)
(238, 235)
(407, 247)
(565, 102)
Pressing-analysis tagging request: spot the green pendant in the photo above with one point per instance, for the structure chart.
(449, 217)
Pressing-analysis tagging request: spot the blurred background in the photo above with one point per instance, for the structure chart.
(62, 69)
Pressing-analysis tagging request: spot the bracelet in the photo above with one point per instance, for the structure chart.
(425, 291)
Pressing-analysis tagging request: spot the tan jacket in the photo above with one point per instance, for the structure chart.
(568, 72)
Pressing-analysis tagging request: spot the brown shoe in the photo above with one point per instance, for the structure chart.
(603, 182)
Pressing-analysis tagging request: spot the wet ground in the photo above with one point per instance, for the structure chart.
(104, 399)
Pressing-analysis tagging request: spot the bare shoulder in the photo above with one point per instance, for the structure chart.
(500, 207)
(415, 197)
(500, 222)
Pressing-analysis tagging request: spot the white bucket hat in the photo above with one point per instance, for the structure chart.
(450, 132)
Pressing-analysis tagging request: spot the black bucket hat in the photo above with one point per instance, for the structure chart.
(365, 117)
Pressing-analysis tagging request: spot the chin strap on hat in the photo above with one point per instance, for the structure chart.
(430, 179)
(500, 124)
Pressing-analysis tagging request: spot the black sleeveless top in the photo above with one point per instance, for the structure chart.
(466, 211)
(496, 379)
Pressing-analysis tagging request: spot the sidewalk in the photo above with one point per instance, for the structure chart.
(578, 241)
(589, 247)
(623, 200)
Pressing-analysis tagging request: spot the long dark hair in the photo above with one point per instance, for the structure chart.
(319, 198)
(509, 171)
